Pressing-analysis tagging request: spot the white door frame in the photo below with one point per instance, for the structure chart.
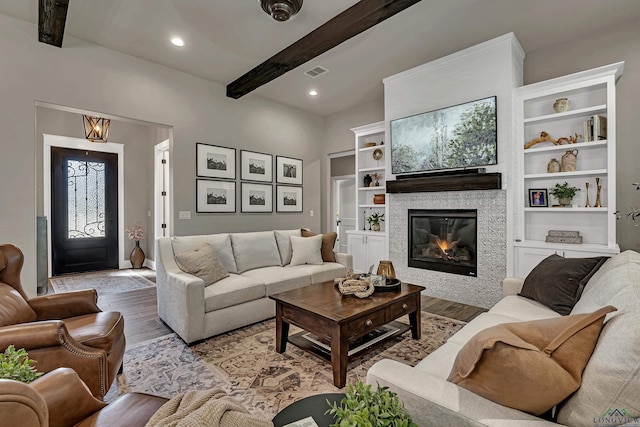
(162, 183)
(82, 144)
(335, 183)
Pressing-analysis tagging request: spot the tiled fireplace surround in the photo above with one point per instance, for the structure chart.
(483, 290)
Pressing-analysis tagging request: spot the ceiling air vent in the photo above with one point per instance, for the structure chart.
(315, 72)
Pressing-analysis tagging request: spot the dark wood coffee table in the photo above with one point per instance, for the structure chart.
(340, 320)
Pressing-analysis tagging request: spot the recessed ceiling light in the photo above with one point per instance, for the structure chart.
(177, 41)
(313, 92)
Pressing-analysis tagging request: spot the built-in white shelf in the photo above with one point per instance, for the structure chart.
(567, 114)
(593, 247)
(372, 206)
(371, 148)
(579, 145)
(566, 174)
(558, 209)
(374, 188)
(377, 168)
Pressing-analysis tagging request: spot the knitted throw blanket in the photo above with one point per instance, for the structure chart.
(204, 408)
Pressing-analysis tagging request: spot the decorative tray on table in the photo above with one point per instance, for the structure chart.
(390, 285)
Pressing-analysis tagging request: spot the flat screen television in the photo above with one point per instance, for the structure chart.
(457, 137)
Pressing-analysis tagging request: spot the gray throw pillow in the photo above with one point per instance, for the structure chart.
(202, 262)
(558, 282)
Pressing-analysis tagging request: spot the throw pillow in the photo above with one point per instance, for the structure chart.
(328, 241)
(202, 262)
(530, 366)
(558, 282)
(306, 250)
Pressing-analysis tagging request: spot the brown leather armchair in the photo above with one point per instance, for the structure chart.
(61, 399)
(60, 330)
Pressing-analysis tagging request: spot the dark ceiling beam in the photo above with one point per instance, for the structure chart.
(353, 21)
(51, 20)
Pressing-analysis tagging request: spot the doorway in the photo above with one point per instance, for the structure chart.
(343, 208)
(84, 229)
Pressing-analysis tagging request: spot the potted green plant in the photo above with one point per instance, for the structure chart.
(364, 407)
(16, 365)
(564, 193)
(375, 219)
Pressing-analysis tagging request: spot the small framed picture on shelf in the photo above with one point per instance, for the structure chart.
(256, 166)
(215, 196)
(538, 198)
(213, 161)
(257, 197)
(288, 170)
(288, 199)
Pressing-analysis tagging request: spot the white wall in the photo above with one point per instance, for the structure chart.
(92, 78)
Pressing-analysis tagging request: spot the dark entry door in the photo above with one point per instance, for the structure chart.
(84, 201)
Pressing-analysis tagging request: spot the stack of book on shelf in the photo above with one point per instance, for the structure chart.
(595, 129)
(564, 236)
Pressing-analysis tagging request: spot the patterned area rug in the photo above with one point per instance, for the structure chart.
(245, 365)
(105, 282)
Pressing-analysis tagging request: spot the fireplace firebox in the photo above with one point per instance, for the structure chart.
(444, 240)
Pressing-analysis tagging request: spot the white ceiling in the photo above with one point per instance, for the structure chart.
(225, 39)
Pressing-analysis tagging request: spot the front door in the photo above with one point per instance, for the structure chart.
(84, 202)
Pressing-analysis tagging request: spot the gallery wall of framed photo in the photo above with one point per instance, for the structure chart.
(216, 181)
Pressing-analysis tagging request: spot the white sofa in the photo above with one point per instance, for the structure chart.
(611, 379)
(258, 263)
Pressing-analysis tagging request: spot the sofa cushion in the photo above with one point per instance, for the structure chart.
(202, 262)
(221, 243)
(328, 242)
(284, 244)
(520, 308)
(232, 290)
(255, 250)
(530, 366)
(440, 362)
(306, 250)
(480, 323)
(279, 279)
(611, 379)
(13, 308)
(558, 282)
(321, 273)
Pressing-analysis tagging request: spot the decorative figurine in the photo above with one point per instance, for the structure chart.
(588, 205)
(598, 205)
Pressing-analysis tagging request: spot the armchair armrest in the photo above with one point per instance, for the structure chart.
(50, 346)
(344, 259)
(68, 304)
(68, 399)
(22, 405)
(511, 286)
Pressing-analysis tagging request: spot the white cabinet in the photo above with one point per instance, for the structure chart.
(367, 249)
(590, 93)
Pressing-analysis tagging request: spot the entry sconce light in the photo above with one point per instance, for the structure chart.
(96, 129)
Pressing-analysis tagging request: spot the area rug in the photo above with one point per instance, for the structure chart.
(105, 282)
(245, 365)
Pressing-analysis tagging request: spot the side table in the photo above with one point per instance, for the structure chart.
(312, 406)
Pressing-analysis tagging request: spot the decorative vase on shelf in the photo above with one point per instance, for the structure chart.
(386, 267)
(561, 105)
(569, 161)
(378, 199)
(565, 201)
(137, 256)
(367, 180)
(376, 226)
(553, 166)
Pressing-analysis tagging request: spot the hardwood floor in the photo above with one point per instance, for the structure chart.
(140, 311)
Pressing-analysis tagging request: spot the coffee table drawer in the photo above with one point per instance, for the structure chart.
(400, 308)
(362, 325)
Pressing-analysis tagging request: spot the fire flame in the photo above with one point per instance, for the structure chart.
(443, 244)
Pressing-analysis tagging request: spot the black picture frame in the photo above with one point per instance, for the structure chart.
(288, 198)
(289, 170)
(214, 161)
(256, 166)
(214, 196)
(538, 198)
(256, 197)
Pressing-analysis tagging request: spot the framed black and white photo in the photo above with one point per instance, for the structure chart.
(288, 199)
(257, 197)
(288, 170)
(213, 161)
(215, 196)
(256, 166)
